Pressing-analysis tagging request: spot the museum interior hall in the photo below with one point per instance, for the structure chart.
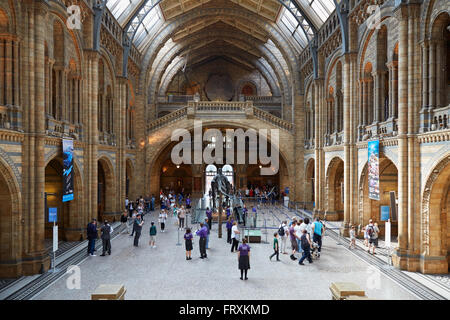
(352, 98)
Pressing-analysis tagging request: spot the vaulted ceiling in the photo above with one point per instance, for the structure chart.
(267, 35)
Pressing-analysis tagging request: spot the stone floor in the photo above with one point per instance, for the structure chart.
(163, 272)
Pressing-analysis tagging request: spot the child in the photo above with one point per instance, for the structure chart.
(152, 235)
(275, 246)
(188, 241)
(366, 237)
(162, 219)
(352, 238)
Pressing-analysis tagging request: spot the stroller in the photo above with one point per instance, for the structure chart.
(315, 250)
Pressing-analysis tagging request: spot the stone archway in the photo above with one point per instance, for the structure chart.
(334, 190)
(106, 190)
(370, 209)
(10, 226)
(435, 226)
(71, 220)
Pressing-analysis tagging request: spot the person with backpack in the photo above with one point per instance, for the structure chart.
(317, 229)
(306, 247)
(275, 247)
(283, 233)
(372, 233)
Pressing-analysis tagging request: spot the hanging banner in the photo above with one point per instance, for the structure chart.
(374, 169)
(67, 170)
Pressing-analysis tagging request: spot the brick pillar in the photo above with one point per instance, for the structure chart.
(120, 126)
(319, 103)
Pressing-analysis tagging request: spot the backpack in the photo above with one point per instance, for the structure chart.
(281, 231)
(304, 241)
(370, 231)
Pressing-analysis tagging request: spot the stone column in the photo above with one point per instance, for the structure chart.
(347, 150)
(439, 74)
(120, 130)
(399, 256)
(16, 73)
(376, 96)
(8, 70)
(2, 71)
(414, 79)
(432, 76)
(317, 146)
(299, 146)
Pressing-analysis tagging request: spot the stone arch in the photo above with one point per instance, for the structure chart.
(435, 224)
(370, 209)
(10, 226)
(244, 84)
(4, 21)
(106, 187)
(72, 221)
(334, 192)
(154, 166)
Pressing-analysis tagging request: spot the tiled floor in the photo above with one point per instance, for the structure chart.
(163, 273)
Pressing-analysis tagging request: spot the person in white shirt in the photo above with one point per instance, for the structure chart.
(234, 236)
(162, 219)
(298, 234)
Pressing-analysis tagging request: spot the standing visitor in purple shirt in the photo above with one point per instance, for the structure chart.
(188, 241)
(202, 233)
(244, 258)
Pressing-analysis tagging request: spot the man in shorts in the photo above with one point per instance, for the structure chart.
(293, 238)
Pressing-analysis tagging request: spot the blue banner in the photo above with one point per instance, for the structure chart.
(373, 167)
(67, 170)
(52, 214)
(384, 213)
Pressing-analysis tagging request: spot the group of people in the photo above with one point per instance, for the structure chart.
(304, 237)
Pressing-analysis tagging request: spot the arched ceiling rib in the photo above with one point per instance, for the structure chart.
(273, 60)
(166, 33)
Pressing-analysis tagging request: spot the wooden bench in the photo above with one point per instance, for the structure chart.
(109, 292)
(342, 290)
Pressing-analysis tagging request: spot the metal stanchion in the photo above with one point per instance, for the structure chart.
(178, 235)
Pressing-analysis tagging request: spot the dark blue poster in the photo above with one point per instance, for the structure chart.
(374, 169)
(67, 170)
(52, 214)
(384, 213)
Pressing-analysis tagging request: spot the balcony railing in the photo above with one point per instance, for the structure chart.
(62, 129)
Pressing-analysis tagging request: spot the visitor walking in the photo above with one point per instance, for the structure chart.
(283, 233)
(152, 241)
(306, 247)
(162, 219)
(106, 230)
(138, 223)
(293, 240)
(352, 238)
(202, 233)
(92, 236)
(133, 219)
(234, 236)
(275, 247)
(244, 258)
(372, 232)
(188, 243)
(181, 217)
(317, 229)
(152, 203)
